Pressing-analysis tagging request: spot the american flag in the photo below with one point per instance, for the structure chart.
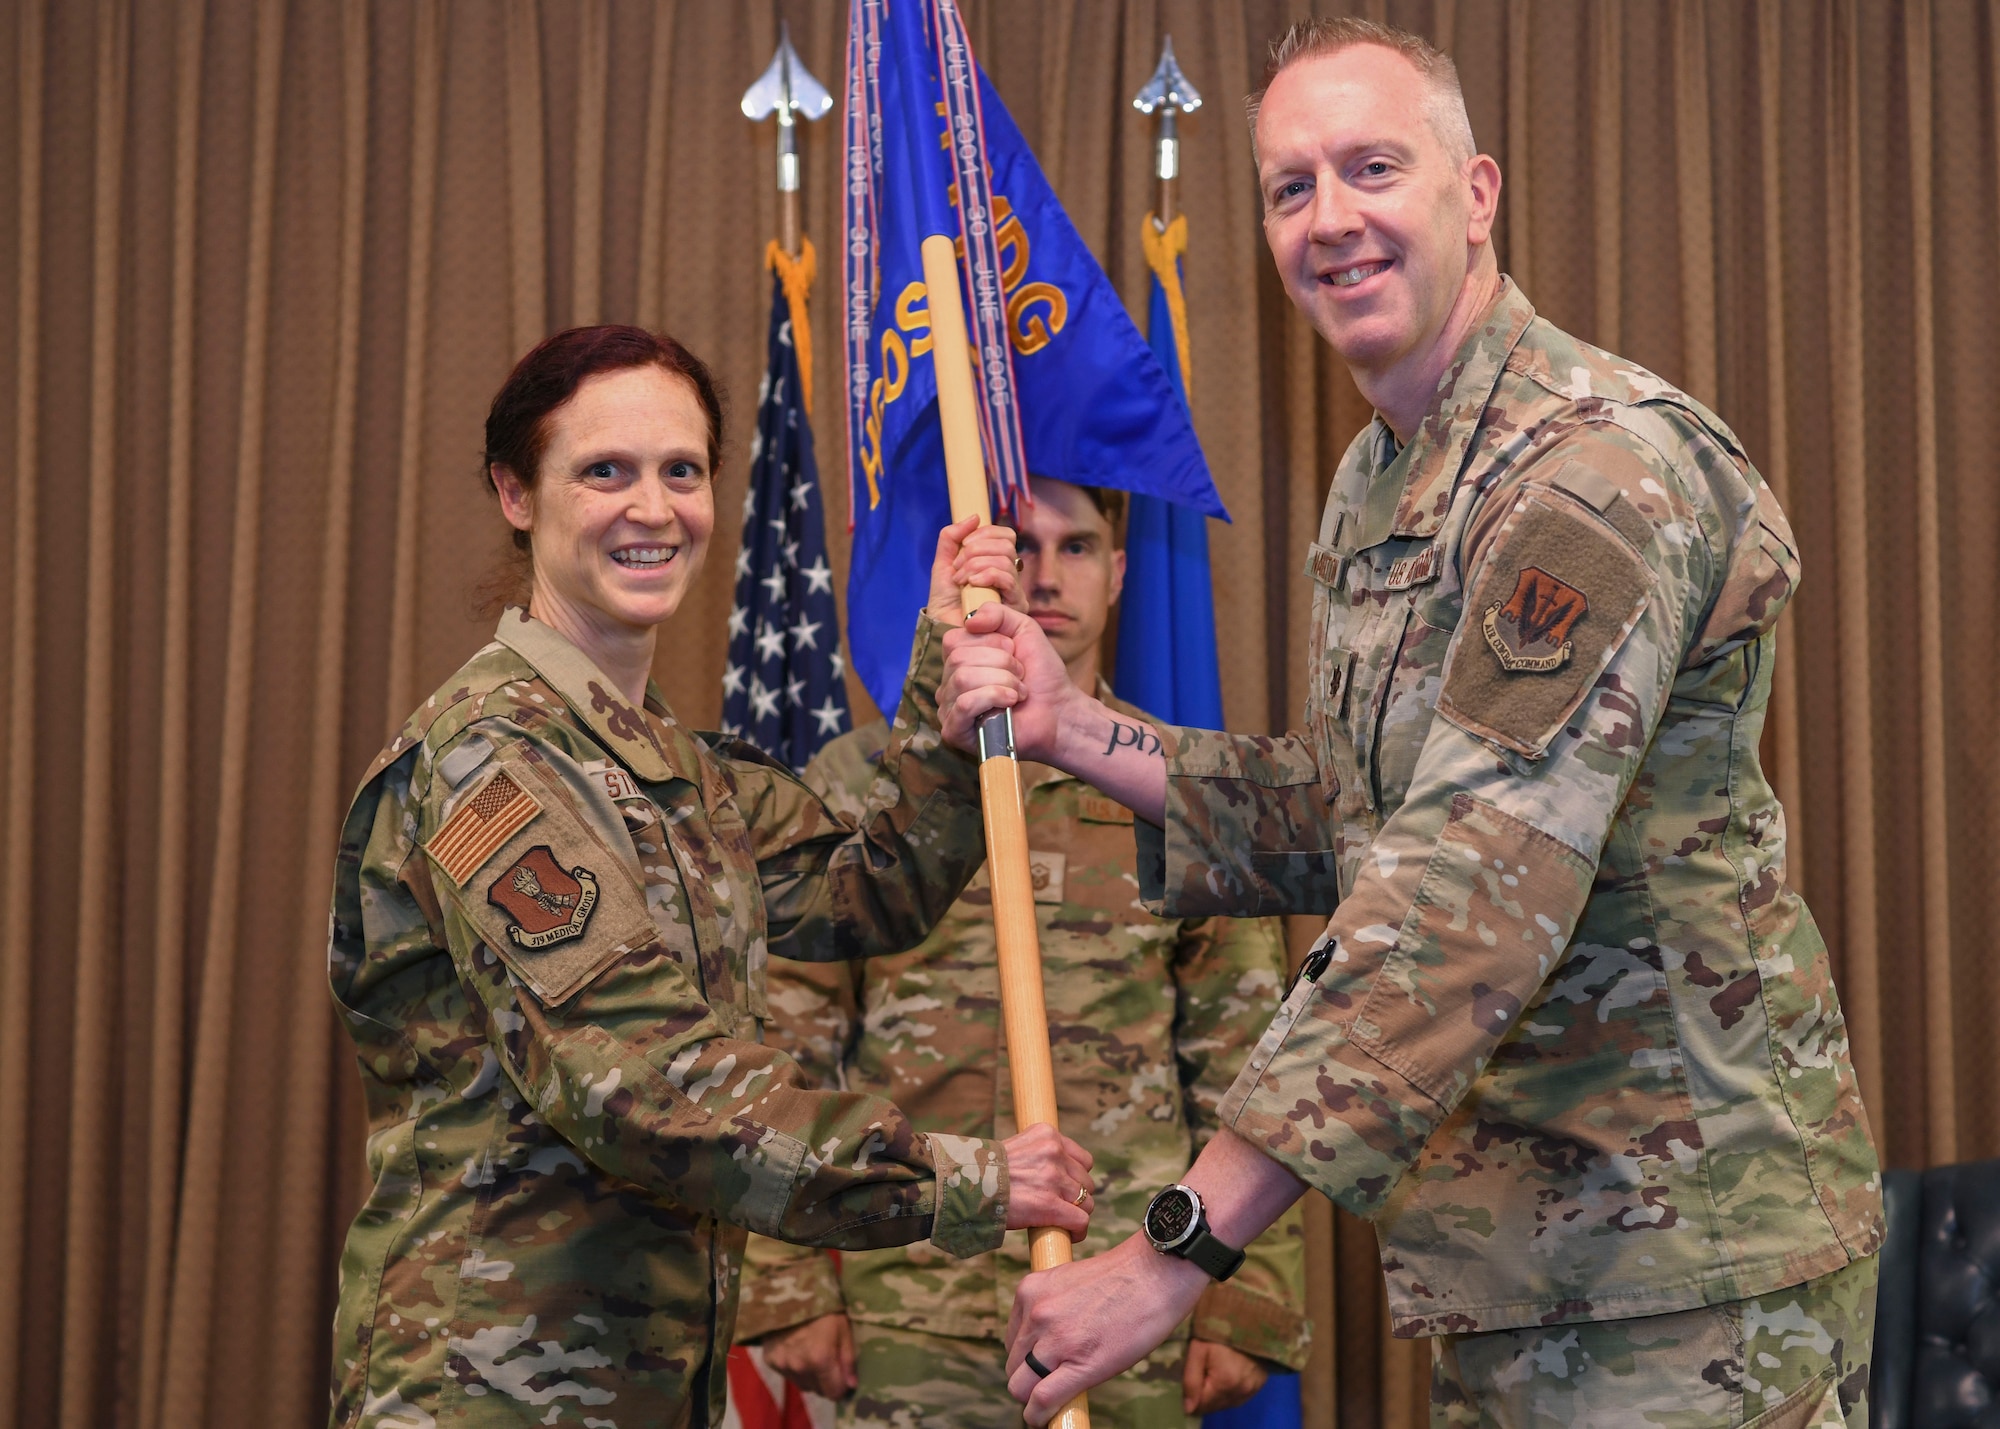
(759, 1398)
(481, 824)
(783, 688)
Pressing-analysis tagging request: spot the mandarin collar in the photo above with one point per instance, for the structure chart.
(1412, 494)
(656, 752)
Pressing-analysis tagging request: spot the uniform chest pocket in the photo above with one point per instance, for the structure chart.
(740, 954)
(1401, 641)
(1328, 667)
(666, 900)
(1406, 704)
(1374, 620)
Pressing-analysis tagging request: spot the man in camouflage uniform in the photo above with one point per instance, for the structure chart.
(1149, 1021)
(1570, 1038)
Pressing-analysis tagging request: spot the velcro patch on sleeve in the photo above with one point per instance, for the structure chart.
(1553, 604)
(551, 899)
(481, 825)
(1602, 495)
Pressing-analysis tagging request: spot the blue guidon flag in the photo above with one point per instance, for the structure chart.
(1067, 387)
(1166, 619)
(783, 688)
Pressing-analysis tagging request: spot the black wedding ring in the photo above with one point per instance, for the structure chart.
(1041, 1370)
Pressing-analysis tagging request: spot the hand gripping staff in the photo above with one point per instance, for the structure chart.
(1022, 1009)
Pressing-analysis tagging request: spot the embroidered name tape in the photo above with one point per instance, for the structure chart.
(483, 821)
(618, 784)
(1325, 565)
(1097, 809)
(1413, 569)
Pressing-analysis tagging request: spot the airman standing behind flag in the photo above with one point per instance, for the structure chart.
(1150, 1019)
(957, 262)
(1570, 1039)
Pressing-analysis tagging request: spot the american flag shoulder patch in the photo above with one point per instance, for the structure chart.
(484, 820)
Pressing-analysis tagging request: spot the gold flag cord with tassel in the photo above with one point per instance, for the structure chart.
(796, 275)
(1164, 247)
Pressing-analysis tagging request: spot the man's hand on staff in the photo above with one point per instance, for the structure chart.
(1048, 1182)
(1088, 1321)
(1001, 659)
(1092, 1319)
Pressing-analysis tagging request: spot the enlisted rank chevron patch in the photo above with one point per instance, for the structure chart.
(483, 821)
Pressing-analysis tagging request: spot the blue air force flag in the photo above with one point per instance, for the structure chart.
(782, 689)
(1166, 618)
(1067, 386)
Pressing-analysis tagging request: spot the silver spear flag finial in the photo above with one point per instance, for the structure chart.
(788, 90)
(1169, 94)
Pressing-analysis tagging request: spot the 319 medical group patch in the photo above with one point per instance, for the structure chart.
(545, 902)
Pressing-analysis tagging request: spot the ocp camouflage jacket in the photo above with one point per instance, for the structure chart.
(550, 924)
(1570, 1038)
(1150, 1020)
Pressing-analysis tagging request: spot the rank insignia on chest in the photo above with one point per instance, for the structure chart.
(1047, 871)
(1530, 630)
(545, 903)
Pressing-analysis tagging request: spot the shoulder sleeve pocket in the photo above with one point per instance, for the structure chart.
(541, 888)
(1554, 602)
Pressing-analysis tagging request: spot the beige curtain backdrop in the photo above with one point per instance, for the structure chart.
(263, 263)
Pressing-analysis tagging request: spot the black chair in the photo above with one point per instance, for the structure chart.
(1937, 1314)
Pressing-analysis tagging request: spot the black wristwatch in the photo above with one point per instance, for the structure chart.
(1177, 1224)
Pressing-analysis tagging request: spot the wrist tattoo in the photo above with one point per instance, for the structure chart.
(1134, 736)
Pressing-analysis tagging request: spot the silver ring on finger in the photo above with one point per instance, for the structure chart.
(1041, 1370)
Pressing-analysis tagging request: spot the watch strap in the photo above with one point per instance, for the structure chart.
(1217, 1260)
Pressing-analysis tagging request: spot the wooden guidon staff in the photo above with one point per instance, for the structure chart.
(1020, 946)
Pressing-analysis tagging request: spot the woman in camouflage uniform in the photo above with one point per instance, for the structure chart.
(552, 911)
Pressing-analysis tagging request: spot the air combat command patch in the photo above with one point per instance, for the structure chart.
(1554, 601)
(1531, 630)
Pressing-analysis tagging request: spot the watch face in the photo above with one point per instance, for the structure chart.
(1171, 1216)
